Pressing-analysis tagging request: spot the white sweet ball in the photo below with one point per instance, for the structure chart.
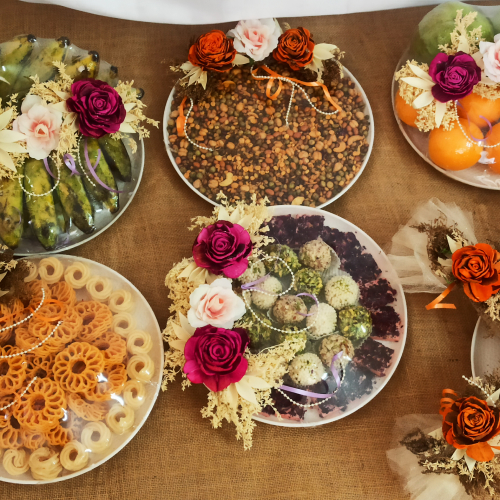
(323, 320)
(263, 300)
(254, 271)
(316, 254)
(341, 291)
(306, 369)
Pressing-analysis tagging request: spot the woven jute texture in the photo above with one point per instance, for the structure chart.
(177, 455)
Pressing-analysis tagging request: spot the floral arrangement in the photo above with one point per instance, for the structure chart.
(450, 257)
(63, 122)
(463, 451)
(204, 343)
(450, 87)
(268, 319)
(256, 42)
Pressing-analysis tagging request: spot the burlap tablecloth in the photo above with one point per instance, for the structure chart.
(177, 455)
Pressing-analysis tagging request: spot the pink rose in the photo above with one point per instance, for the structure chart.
(223, 248)
(256, 38)
(214, 357)
(491, 58)
(215, 304)
(41, 124)
(99, 107)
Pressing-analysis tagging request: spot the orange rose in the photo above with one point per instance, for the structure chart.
(213, 51)
(295, 48)
(469, 423)
(478, 267)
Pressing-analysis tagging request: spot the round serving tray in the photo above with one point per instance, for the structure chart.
(103, 219)
(485, 351)
(312, 417)
(478, 175)
(146, 321)
(370, 137)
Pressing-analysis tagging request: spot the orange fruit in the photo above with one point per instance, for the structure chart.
(474, 105)
(406, 112)
(494, 138)
(451, 150)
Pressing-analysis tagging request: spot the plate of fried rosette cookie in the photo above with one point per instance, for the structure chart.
(80, 365)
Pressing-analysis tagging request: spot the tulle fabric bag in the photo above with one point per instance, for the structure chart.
(404, 463)
(408, 253)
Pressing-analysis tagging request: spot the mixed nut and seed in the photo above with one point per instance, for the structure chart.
(254, 151)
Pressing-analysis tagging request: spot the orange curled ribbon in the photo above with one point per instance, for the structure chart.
(280, 85)
(181, 119)
(57, 317)
(436, 303)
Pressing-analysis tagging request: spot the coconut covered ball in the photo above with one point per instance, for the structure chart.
(255, 271)
(316, 254)
(308, 281)
(287, 309)
(355, 323)
(341, 291)
(332, 345)
(323, 320)
(306, 369)
(273, 287)
(276, 266)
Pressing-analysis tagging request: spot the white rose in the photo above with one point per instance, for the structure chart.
(491, 58)
(256, 38)
(215, 304)
(40, 124)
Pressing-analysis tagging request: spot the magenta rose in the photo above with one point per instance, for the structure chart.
(454, 76)
(223, 248)
(214, 357)
(99, 107)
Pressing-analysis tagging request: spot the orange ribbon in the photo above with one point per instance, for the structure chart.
(435, 304)
(181, 119)
(57, 317)
(280, 85)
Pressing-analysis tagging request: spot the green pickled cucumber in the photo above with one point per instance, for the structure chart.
(84, 66)
(117, 157)
(102, 195)
(42, 65)
(41, 209)
(62, 217)
(75, 202)
(14, 55)
(11, 211)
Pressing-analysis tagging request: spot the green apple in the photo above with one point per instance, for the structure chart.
(436, 27)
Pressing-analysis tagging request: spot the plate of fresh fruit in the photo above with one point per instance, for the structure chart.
(74, 156)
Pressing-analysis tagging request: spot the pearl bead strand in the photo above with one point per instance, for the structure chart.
(80, 161)
(311, 405)
(26, 319)
(468, 136)
(294, 85)
(48, 192)
(185, 128)
(24, 392)
(270, 257)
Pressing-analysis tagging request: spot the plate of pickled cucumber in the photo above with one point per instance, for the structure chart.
(70, 209)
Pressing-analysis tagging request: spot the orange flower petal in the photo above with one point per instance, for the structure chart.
(482, 452)
(477, 292)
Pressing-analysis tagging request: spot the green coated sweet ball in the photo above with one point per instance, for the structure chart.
(355, 323)
(308, 281)
(277, 267)
(257, 331)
